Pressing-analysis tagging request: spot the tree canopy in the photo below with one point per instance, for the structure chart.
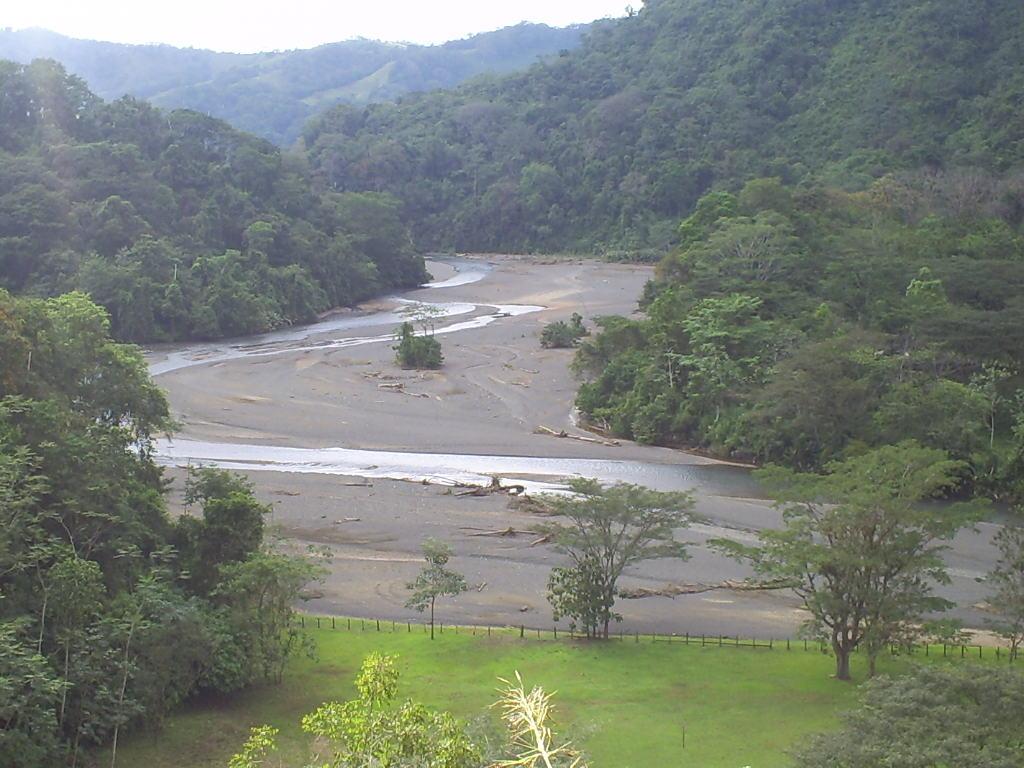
(799, 325)
(112, 614)
(611, 144)
(179, 225)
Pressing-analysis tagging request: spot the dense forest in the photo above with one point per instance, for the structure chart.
(802, 325)
(612, 144)
(181, 226)
(112, 614)
(273, 94)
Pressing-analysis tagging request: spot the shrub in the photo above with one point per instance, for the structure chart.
(563, 335)
(414, 351)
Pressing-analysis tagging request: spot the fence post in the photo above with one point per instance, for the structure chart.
(318, 622)
(522, 631)
(488, 630)
(556, 633)
(302, 621)
(349, 623)
(378, 625)
(362, 625)
(637, 634)
(787, 644)
(408, 627)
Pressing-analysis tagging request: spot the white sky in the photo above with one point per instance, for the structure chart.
(258, 25)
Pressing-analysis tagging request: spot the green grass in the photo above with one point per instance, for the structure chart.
(626, 704)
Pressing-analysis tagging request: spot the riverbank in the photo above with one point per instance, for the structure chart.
(277, 402)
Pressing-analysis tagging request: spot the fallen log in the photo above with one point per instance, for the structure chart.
(542, 430)
(510, 531)
(494, 487)
(675, 590)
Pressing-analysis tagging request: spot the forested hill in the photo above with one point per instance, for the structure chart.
(181, 226)
(613, 143)
(273, 94)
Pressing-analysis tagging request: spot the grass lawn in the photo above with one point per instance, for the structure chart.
(627, 704)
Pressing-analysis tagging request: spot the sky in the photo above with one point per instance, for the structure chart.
(258, 25)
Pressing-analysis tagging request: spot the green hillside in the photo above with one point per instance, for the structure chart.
(274, 94)
(178, 224)
(612, 144)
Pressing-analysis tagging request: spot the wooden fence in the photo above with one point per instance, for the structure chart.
(704, 640)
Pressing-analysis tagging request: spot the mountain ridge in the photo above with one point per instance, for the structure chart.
(273, 93)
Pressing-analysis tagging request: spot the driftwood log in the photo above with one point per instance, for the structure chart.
(542, 430)
(487, 490)
(674, 590)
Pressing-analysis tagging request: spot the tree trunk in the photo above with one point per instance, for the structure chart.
(120, 700)
(42, 624)
(872, 663)
(842, 661)
(64, 688)
(431, 618)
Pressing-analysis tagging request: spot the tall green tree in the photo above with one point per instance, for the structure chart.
(1007, 583)
(260, 594)
(373, 729)
(604, 531)
(860, 547)
(967, 716)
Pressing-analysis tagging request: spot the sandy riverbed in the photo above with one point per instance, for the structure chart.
(496, 387)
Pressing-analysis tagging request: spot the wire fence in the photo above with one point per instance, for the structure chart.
(523, 632)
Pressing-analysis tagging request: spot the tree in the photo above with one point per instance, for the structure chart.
(860, 548)
(29, 695)
(969, 717)
(230, 530)
(260, 594)
(577, 593)
(1007, 581)
(607, 530)
(434, 580)
(75, 589)
(372, 730)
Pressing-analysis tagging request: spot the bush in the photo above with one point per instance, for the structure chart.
(414, 351)
(563, 335)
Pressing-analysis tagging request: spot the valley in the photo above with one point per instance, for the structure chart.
(359, 456)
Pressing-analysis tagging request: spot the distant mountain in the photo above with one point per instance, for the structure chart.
(273, 94)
